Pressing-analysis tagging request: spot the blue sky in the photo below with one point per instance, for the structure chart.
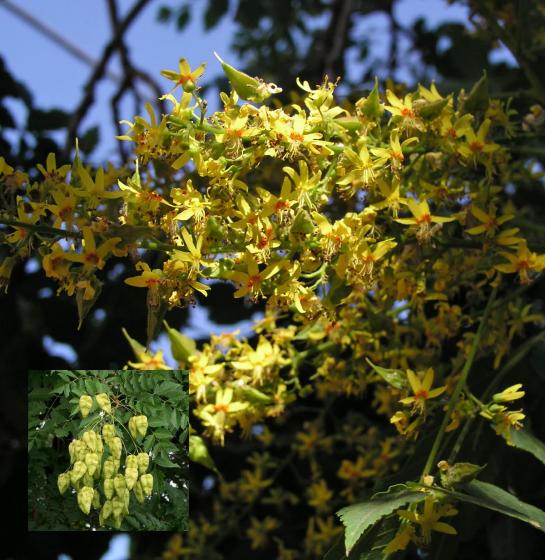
(56, 78)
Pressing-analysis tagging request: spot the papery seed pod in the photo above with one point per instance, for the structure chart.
(131, 461)
(117, 506)
(80, 450)
(85, 405)
(72, 448)
(85, 499)
(119, 484)
(108, 469)
(63, 482)
(141, 425)
(132, 427)
(116, 521)
(126, 499)
(116, 463)
(108, 431)
(106, 509)
(78, 470)
(143, 462)
(96, 500)
(138, 492)
(87, 480)
(108, 487)
(131, 476)
(90, 440)
(91, 461)
(147, 483)
(115, 446)
(104, 402)
(99, 447)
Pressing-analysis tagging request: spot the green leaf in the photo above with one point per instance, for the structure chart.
(523, 439)
(89, 140)
(358, 518)
(39, 121)
(394, 377)
(478, 98)
(198, 453)
(163, 461)
(495, 498)
(182, 346)
(215, 10)
(162, 434)
(371, 107)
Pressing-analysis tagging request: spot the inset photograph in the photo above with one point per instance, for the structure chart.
(108, 450)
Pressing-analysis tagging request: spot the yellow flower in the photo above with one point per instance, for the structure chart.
(319, 496)
(524, 263)
(400, 541)
(393, 155)
(148, 279)
(476, 144)
(95, 190)
(510, 394)
(362, 172)
(92, 257)
(251, 281)
(185, 77)
(428, 519)
(422, 218)
(217, 417)
(258, 532)
(421, 388)
(350, 470)
(51, 172)
(489, 222)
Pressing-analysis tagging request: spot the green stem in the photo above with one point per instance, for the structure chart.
(40, 228)
(459, 386)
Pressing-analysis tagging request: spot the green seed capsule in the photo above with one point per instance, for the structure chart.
(108, 488)
(63, 482)
(104, 402)
(85, 405)
(85, 499)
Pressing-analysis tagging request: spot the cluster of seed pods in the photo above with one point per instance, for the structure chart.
(95, 461)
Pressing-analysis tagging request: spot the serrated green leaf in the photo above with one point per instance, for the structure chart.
(359, 517)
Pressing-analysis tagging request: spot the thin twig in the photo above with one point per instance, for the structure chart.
(98, 73)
